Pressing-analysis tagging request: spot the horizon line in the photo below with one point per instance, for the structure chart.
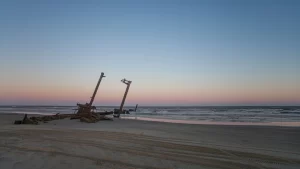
(158, 105)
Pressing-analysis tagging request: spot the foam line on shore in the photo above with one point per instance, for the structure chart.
(285, 124)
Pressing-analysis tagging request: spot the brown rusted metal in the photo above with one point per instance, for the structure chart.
(87, 108)
(85, 112)
(127, 82)
(96, 89)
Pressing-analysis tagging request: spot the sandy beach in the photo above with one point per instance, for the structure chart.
(128, 144)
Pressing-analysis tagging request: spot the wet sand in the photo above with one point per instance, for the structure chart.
(125, 144)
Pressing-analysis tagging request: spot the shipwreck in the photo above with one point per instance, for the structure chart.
(85, 112)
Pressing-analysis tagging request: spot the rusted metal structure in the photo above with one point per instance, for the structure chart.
(127, 82)
(86, 109)
(85, 112)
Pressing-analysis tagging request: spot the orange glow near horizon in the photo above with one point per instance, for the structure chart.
(175, 53)
(152, 95)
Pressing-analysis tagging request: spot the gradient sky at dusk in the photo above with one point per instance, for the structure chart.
(175, 52)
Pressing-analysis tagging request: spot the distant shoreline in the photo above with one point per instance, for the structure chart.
(232, 106)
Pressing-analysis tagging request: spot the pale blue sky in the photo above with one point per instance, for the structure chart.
(201, 45)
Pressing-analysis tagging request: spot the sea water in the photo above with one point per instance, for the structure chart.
(258, 115)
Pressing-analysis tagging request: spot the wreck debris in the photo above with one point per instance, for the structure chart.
(116, 111)
(45, 119)
(88, 108)
(25, 120)
(50, 118)
(127, 82)
(85, 112)
(94, 118)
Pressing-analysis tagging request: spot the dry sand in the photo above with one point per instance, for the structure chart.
(128, 144)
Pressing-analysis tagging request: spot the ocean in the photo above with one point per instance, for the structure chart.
(254, 115)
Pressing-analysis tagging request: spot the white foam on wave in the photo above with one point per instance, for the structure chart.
(285, 124)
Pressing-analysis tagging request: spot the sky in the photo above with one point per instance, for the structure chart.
(187, 53)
